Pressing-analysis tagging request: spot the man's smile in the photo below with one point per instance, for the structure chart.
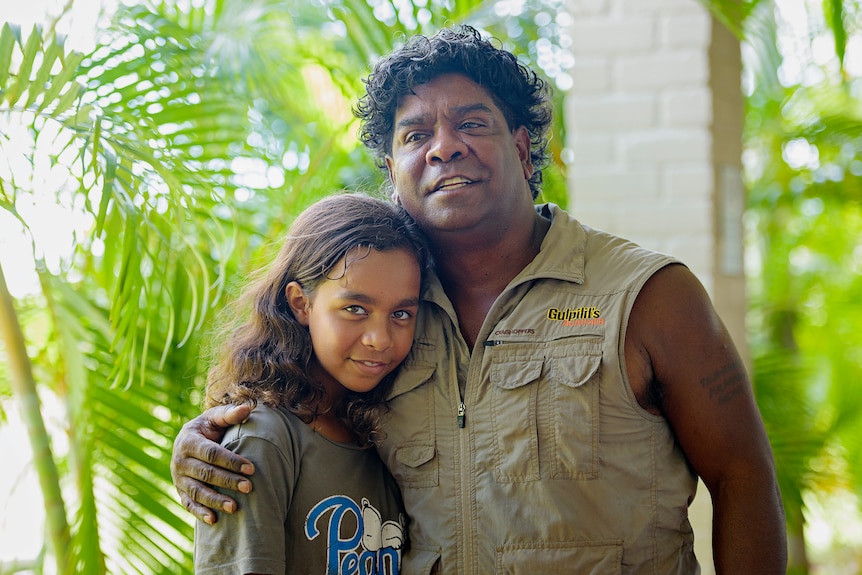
(451, 184)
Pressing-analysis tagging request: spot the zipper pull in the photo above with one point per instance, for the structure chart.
(462, 414)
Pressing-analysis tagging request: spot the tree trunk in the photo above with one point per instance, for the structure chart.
(24, 387)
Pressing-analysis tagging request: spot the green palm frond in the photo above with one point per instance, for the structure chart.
(189, 137)
(194, 132)
(804, 214)
(733, 13)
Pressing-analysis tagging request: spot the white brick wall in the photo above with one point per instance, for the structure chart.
(639, 116)
(661, 70)
(686, 108)
(665, 147)
(684, 29)
(613, 112)
(608, 37)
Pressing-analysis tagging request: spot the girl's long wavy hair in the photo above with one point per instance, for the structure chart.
(262, 353)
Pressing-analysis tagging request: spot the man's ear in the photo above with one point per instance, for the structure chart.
(299, 302)
(522, 144)
(394, 195)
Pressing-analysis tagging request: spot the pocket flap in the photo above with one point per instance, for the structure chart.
(410, 376)
(516, 373)
(420, 560)
(414, 455)
(576, 370)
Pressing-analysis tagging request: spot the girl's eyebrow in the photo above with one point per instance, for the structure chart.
(363, 298)
(411, 302)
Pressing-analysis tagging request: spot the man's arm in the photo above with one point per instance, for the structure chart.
(198, 462)
(679, 350)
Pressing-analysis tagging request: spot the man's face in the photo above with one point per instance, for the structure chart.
(455, 165)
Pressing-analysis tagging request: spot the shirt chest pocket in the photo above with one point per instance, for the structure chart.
(545, 409)
(411, 453)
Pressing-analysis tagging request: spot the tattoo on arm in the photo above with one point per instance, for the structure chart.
(726, 383)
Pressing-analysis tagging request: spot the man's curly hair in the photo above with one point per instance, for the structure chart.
(521, 95)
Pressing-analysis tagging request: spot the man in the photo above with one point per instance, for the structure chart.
(565, 385)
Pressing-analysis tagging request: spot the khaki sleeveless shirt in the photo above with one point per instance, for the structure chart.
(552, 467)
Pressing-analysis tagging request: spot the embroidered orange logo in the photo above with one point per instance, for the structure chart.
(576, 316)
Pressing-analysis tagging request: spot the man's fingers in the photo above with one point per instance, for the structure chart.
(199, 464)
(204, 514)
(214, 500)
(189, 471)
(216, 459)
(223, 416)
(197, 441)
(217, 477)
(202, 500)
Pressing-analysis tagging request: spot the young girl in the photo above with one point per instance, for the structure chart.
(329, 323)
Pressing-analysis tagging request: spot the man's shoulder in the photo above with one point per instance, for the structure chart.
(565, 226)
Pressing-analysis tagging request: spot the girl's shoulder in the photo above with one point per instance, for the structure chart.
(275, 425)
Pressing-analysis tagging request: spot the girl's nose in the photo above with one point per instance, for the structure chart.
(378, 336)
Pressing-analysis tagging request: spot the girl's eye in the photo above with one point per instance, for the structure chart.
(356, 310)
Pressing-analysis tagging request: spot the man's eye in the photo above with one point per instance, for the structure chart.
(414, 137)
(356, 310)
(471, 125)
(402, 314)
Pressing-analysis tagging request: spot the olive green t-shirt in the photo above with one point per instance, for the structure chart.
(317, 506)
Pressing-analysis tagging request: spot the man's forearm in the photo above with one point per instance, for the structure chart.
(749, 533)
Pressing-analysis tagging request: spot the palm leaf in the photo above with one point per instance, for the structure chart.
(160, 121)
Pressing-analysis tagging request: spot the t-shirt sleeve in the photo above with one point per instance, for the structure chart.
(252, 539)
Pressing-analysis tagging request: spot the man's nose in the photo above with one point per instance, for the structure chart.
(446, 146)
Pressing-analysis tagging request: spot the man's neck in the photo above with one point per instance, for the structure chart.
(475, 273)
(467, 260)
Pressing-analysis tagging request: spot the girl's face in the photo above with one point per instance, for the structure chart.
(362, 323)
